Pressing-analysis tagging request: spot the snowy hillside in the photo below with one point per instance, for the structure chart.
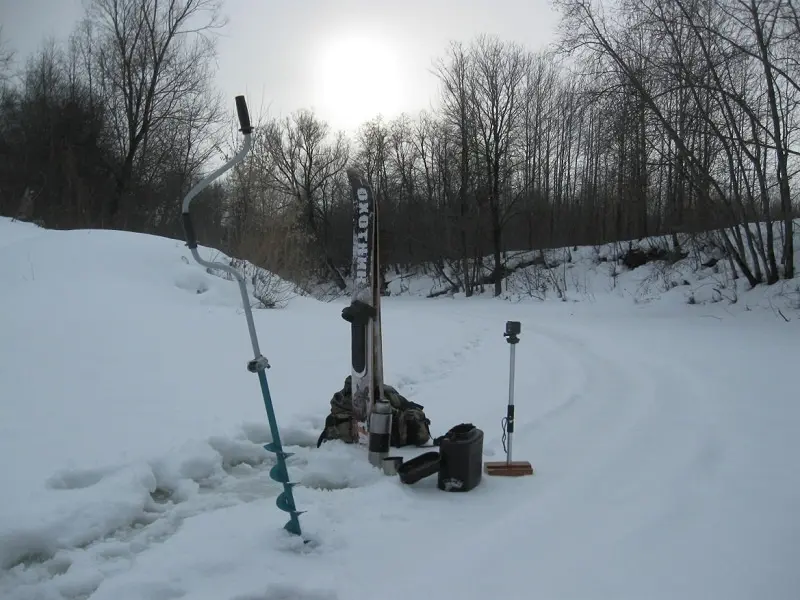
(640, 271)
(663, 433)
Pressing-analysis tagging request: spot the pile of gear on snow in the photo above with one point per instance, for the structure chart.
(410, 426)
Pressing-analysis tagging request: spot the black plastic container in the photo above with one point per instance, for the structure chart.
(418, 467)
(461, 458)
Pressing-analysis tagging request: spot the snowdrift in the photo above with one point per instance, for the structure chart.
(663, 434)
(639, 271)
(114, 344)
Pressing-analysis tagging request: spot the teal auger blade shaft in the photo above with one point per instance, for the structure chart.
(277, 450)
(279, 472)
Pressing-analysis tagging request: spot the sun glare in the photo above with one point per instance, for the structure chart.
(356, 77)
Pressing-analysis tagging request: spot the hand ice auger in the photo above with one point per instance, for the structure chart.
(259, 364)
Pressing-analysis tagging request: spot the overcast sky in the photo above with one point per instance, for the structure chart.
(346, 59)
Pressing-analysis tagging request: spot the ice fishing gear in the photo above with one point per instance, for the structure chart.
(461, 458)
(391, 464)
(509, 467)
(380, 432)
(364, 316)
(259, 364)
(457, 463)
(410, 425)
(419, 467)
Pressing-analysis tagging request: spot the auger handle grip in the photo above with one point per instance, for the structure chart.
(244, 116)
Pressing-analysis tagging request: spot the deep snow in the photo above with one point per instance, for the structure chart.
(663, 436)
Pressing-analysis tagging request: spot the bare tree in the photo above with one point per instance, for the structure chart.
(454, 73)
(495, 93)
(305, 165)
(6, 58)
(153, 61)
(689, 43)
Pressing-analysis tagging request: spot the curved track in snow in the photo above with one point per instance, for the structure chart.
(650, 481)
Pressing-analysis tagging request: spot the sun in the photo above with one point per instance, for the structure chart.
(355, 77)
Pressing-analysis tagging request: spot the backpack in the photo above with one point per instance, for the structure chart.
(410, 426)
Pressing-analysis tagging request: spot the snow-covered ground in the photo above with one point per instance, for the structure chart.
(664, 437)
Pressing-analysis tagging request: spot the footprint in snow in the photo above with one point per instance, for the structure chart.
(76, 479)
(288, 592)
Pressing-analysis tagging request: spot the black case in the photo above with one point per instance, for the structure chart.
(460, 458)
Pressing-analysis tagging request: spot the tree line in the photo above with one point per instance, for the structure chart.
(651, 117)
(107, 128)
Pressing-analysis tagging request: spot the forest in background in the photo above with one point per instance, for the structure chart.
(647, 117)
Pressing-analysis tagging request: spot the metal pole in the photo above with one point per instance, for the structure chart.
(510, 414)
(511, 334)
(510, 468)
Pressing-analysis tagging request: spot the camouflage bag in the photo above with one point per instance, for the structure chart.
(410, 426)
